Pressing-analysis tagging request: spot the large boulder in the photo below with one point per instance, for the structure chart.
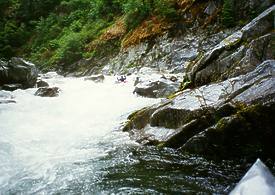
(156, 89)
(237, 54)
(155, 85)
(18, 71)
(214, 120)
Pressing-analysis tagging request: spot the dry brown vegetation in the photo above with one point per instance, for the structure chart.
(149, 28)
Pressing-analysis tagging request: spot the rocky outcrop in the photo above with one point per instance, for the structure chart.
(41, 83)
(17, 73)
(165, 53)
(237, 54)
(215, 120)
(156, 87)
(47, 92)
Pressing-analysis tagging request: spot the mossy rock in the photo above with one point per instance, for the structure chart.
(250, 133)
(138, 119)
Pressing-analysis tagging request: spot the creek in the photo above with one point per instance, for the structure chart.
(71, 144)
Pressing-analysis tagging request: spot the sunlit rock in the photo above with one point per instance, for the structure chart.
(156, 88)
(238, 54)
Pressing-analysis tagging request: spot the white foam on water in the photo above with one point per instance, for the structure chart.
(38, 134)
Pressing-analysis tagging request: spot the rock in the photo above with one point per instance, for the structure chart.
(237, 54)
(257, 180)
(18, 71)
(250, 132)
(47, 92)
(50, 75)
(42, 83)
(244, 60)
(7, 101)
(173, 78)
(12, 87)
(96, 78)
(211, 8)
(167, 54)
(213, 120)
(156, 88)
(6, 98)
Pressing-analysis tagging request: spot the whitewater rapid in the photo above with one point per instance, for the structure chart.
(42, 140)
(72, 144)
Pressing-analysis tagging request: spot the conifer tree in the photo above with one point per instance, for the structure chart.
(228, 18)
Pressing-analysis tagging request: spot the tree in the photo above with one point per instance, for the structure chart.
(228, 18)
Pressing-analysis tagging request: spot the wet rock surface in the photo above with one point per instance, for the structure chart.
(42, 83)
(165, 53)
(156, 88)
(17, 73)
(238, 54)
(213, 120)
(6, 98)
(47, 92)
(154, 84)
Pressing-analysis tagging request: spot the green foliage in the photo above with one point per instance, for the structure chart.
(69, 49)
(136, 10)
(106, 8)
(166, 9)
(228, 18)
(34, 9)
(12, 36)
(56, 32)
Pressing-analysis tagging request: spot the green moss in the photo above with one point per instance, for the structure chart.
(186, 83)
(138, 119)
(161, 145)
(172, 96)
(132, 65)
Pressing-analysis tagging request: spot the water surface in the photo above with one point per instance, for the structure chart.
(71, 144)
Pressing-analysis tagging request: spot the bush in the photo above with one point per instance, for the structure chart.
(136, 11)
(166, 9)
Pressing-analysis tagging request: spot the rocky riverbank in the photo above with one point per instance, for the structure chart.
(227, 107)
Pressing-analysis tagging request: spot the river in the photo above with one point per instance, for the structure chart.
(72, 144)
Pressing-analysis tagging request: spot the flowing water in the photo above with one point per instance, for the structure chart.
(71, 144)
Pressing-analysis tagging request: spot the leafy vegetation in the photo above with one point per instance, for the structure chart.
(228, 13)
(58, 32)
